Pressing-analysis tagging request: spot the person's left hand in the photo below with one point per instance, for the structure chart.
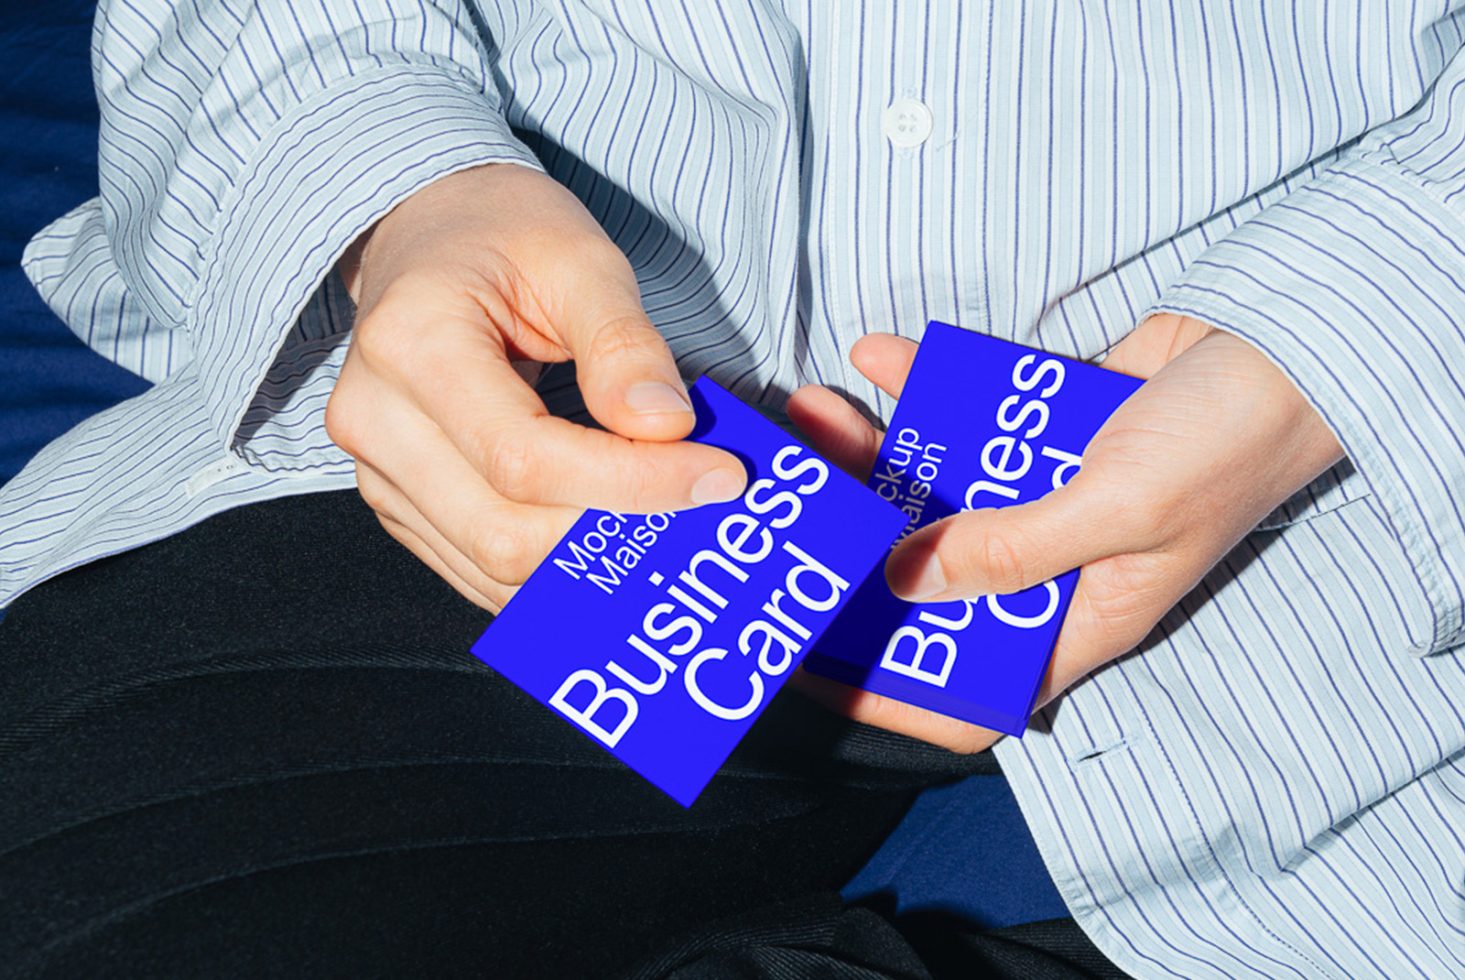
(1207, 447)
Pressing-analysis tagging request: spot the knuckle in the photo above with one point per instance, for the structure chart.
(999, 559)
(509, 464)
(379, 338)
(343, 422)
(517, 567)
(508, 553)
(647, 482)
(389, 336)
(623, 336)
(649, 478)
(494, 548)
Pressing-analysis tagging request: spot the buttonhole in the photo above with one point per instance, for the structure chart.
(1085, 756)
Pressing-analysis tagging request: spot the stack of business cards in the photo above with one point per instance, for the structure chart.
(980, 423)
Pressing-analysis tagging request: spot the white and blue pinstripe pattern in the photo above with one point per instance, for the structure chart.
(1274, 785)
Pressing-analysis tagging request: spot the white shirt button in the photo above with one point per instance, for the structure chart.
(906, 122)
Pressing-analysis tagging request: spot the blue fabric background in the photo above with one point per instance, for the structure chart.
(49, 380)
(963, 849)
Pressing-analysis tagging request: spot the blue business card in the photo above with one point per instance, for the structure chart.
(980, 423)
(663, 636)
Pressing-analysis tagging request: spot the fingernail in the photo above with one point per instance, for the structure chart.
(656, 398)
(915, 579)
(717, 486)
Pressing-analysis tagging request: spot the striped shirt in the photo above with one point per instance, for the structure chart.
(1274, 785)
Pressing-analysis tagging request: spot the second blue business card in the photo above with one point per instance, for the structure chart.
(981, 422)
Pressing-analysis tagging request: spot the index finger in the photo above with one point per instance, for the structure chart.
(505, 432)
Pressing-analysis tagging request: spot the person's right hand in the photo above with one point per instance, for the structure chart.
(462, 291)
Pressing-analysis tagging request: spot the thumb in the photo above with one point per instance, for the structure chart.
(1006, 550)
(623, 365)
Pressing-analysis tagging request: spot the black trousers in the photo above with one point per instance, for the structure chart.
(261, 747)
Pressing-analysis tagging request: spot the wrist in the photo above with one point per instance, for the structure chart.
(436, 226)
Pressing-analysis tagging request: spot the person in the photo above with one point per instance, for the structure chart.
(342, 238)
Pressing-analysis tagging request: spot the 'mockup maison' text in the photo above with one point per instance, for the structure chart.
(612, 547)
(605, 702)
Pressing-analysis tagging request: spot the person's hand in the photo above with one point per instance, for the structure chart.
(463, 291)
(1216, 438)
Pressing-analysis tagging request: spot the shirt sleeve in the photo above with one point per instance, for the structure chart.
(1354, 285)
(244, 145)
